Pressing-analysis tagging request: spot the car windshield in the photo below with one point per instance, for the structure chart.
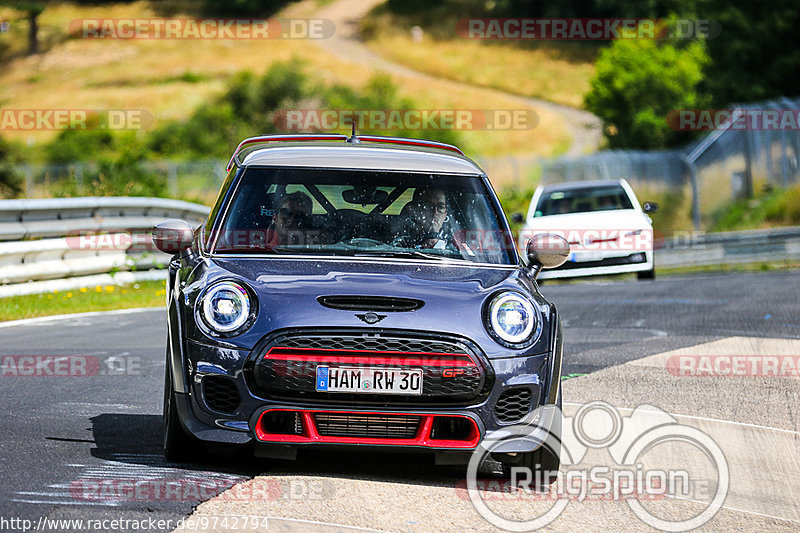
(364, 213)
(582, 200)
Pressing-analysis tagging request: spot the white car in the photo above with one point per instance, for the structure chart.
(608, 231)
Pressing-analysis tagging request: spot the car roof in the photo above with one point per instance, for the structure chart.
(588, 184)
(359, 156)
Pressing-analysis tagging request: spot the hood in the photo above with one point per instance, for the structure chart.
(620, 219)
(454, 294)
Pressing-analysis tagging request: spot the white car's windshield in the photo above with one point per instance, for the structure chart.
(581, 200)
(363, 213)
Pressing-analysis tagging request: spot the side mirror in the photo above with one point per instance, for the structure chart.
(173, 236)
(650, 207)
(517, 218)
(546, 250)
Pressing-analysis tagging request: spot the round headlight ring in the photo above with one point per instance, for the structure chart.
(514, 320)
(225, 307)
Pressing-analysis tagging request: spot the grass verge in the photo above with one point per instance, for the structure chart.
(99, 298)
(548, 71)
(763, 266)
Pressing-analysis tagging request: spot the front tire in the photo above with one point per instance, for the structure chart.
(179, 447)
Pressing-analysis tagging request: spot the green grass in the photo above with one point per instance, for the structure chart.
(774, 208)
(551, 70)
(95, 298)
(763, 266)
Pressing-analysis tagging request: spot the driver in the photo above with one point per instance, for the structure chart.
(424, 216)
(291, 219)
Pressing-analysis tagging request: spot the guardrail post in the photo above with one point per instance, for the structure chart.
(695, 192)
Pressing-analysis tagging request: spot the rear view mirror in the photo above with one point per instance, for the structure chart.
(364, 196)
(650, 207)
(546, 250)
(173, 236)
(517, 218)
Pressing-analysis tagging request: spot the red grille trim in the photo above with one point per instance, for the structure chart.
(423, 438)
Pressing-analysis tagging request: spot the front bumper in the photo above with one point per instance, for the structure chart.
(535, 375)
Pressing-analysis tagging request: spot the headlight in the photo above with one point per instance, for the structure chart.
(225, 307)
(513, 320)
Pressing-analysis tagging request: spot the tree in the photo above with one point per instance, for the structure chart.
(757, 53)
(638, 82)
(32, 11)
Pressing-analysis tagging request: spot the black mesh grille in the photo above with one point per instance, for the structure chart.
(290, 378)
(221, 394)
(352, 342)
(513, 405)
(375, 426)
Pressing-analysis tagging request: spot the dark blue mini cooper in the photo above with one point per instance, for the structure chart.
(356, 291)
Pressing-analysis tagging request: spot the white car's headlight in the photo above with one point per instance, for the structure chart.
(225, 307)
(513, 319)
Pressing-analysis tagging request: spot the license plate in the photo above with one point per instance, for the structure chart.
(585, 255)
(369, 380)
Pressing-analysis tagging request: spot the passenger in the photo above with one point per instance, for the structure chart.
(291, 220)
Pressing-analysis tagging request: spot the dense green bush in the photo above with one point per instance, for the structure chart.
(11, 181)
(638, 82)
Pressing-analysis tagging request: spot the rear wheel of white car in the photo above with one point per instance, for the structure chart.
(647, 274)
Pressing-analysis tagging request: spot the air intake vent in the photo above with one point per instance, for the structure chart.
(513, 405)
(368, 425)
(221, 394)
(370, 303)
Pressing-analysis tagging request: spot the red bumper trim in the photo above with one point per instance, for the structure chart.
(422, 438)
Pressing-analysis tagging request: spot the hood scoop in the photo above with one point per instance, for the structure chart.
(371, 303)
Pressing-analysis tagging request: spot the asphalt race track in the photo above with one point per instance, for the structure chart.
(59, 435)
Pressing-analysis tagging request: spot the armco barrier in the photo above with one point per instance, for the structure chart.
(40, 249)
(732, 247)
(40, 240)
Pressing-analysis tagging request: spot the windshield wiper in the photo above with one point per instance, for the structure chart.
(401, 253)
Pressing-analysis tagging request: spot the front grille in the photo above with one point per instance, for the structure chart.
(369, 342)
(513, 405)
(452, 372)
(221, 394)
(367, 425)
(371, 303)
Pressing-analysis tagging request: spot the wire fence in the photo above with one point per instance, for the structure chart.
(729, 163)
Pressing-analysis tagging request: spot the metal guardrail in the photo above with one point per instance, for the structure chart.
(67, 239)
(72, 242)
(752, 246)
